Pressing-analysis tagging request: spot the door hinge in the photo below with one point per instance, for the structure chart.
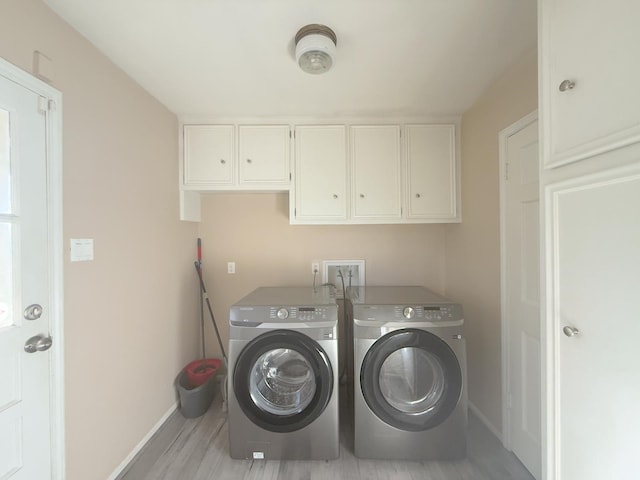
(45, 104)
(506, 171)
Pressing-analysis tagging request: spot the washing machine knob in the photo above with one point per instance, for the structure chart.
(409, 312)
(283, 313)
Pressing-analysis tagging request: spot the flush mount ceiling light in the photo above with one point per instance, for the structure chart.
(315, 48)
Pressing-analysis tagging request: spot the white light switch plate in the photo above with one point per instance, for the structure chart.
(81, 249)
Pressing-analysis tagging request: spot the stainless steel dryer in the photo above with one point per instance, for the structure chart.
(409, 398)
(283, 375)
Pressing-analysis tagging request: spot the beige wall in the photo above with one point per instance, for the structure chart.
(473, 247)
(253, 230)
(131, 317)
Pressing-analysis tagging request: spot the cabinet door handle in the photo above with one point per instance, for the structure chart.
(566, 85)
(223, 161)
(570, 331)
(417, 195)
(362, 195)
(248, 160)
(335, 196)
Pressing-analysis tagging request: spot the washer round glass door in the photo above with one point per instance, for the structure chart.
(411, 379)
(283, 380)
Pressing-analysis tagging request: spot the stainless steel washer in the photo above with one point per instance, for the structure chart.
(283, 375)
(409, 396)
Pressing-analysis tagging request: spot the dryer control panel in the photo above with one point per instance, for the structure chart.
(408, 313)
(431, 313)
(427, 312)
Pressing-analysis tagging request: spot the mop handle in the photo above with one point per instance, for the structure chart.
(213, 320)
(204, 354)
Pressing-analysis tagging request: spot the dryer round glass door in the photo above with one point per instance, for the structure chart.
(411, 379)
(283, 380)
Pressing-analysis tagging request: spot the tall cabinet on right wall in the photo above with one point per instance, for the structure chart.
(590, 195)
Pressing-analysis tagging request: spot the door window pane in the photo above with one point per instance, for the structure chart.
(282, 382)
(6, 275)
(412, 380)
(5, 164)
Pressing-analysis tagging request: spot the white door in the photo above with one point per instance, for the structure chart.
(594, 237)
(521, 295)
(25, 437)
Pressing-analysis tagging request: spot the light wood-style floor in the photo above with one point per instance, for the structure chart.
(198, 450)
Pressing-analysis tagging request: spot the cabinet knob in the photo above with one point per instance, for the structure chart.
(248, 160)
(362, 195)
(417, 195)
(566, 85)
(335, 196)
(570, 331)
(223, 161)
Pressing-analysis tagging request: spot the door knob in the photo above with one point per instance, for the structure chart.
(33, 312)
(570, 331)
(38, 343)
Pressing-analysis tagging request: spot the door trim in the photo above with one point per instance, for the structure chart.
(53, 124)
(503, 138)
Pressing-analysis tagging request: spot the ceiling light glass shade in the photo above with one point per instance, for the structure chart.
(315, 48)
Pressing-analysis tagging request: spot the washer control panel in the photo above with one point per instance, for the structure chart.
(302, 314)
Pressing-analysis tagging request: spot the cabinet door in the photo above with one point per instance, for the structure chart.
(592, 45)
(263, 158)
(321, 173)
(593, 311)
(375, 156)
(431, 172)
(208, 155)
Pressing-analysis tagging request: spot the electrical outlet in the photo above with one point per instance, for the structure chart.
(315, 268)
(350, 271)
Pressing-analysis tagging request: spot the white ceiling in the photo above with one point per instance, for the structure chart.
(235, 58)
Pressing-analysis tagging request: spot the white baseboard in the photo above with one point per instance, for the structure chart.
(485, 420)
(120, 468)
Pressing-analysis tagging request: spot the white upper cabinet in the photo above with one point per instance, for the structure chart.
(208, 156)
(210, 162)
(376, 172)
(587, 54)
(263, 155)
(342, 174)
(320, 193)
(431, 174)
(366, 174)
